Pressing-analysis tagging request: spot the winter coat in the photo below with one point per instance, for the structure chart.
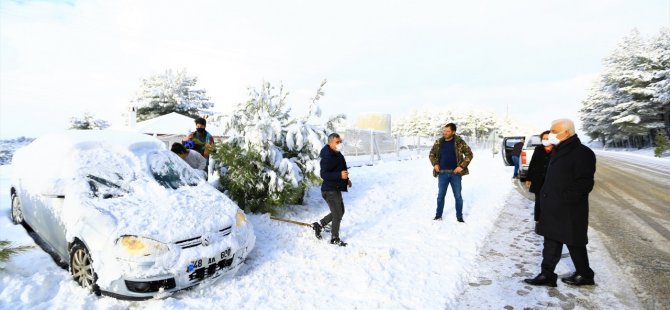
(332, 165)
(565, 193)
(537, 169)
(195, 160)
(517, 148)
(203, 142)
(463, 154)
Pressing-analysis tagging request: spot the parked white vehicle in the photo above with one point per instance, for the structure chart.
(529, 144)
(130, 218)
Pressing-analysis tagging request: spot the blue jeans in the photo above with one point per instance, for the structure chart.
(443, 181)
(515, 159)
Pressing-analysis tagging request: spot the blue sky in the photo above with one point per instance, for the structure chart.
(63, 58)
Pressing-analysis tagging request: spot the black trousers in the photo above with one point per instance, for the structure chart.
(336, 205)
(537, 207)
(551, 254)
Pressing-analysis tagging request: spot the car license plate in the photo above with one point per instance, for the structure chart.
(207, 263)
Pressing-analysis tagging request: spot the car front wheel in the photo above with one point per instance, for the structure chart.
(17, 212)
(81, 267)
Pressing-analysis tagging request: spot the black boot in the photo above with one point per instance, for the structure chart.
(437, 218)
(578, 280)
(542, 279)
(317, 230)
(337, 241)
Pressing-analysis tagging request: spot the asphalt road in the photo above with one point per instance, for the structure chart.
(630, 208)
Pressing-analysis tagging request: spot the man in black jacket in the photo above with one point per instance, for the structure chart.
(565, 206)
(335, 181)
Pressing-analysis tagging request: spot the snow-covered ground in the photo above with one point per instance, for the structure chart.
(397, 256)
(632, 153)
(513, 252)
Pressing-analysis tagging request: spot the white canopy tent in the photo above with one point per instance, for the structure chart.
(173, 124)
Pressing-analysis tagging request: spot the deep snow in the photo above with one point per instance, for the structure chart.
(397, 257)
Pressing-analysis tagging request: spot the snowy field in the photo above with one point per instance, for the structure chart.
(397, 257)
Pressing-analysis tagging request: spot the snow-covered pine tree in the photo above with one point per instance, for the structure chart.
(271, 156)
(7, 250)
(660, 87)
(169, 92)
(596, 114)
(87, 121)
(628, 76)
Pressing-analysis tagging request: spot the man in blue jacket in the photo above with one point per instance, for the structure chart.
(335, 181)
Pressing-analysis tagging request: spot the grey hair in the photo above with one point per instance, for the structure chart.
(333, 136)
(568, 124)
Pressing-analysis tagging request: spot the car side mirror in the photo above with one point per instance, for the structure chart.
(53, 188)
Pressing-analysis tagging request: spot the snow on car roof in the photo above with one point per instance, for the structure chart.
(42, 163)
(71, 139)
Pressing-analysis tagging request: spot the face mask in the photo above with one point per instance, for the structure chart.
(339, 147)
(546, 143)
(200, 130)
(553, 139)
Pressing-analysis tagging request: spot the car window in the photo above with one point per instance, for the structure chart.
(171, 171)
(510, 142)
(106, 172)
(534, 141)
(104, 188)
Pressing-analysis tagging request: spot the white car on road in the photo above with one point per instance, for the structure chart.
(130, 218)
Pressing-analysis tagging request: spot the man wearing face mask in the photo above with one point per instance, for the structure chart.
(203, 141)
(335, 181)
(564, 200)
(450, 157)
(537, 170)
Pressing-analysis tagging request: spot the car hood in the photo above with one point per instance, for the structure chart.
(164, 215)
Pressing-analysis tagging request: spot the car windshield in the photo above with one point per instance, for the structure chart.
(104, 188)
(171, 171)
(107, 172)
(534, 141)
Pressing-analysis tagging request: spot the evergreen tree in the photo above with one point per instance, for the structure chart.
(87, 121)
(271, 156)
(7, 251)
(171, 92)
(630, 100)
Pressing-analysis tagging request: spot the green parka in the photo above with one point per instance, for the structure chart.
(463, 154)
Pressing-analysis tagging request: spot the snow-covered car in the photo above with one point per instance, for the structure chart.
(130, 218)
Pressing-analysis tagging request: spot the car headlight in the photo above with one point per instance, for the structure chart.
(240, 218)
(134, 246)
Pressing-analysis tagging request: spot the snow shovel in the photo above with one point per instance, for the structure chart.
(290, 221)
(325, 228)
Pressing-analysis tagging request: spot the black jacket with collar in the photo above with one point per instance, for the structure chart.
(565, 193)
(332, 165)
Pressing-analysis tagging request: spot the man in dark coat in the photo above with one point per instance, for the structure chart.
(565, 206)
(537, 170)
(335, 181)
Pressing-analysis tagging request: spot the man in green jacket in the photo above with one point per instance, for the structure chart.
(450, 157)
